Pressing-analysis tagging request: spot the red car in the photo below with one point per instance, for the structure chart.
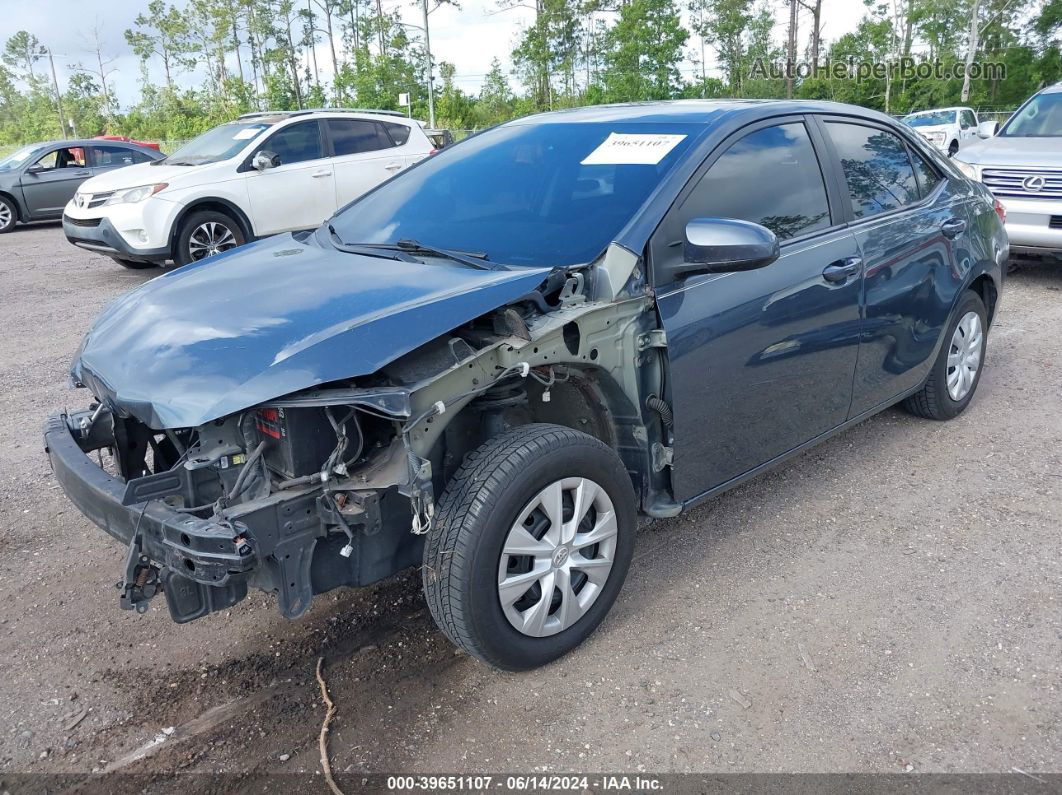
(123, 139)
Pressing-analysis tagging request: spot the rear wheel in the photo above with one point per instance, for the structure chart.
(953, 149)
(530, 545)
(8, 215)
(206, 233)
(953, 380)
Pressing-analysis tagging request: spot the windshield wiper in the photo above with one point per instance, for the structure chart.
(474, 259)
(365, 249)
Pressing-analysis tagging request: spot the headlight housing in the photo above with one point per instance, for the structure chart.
(133, 195)
(966, 169)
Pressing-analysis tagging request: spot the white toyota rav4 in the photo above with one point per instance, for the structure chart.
(259, 175)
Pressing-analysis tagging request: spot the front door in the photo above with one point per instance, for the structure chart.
(911, 228)
(50, 182)
(760, 361)
(300, 192)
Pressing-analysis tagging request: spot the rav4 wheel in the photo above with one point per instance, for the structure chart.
(953, 380)
(530, 545)
(8, 215)
(206, 233)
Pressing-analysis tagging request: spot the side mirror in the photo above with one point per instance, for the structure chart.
(987, 129)
(35, 170)
(265, 159)
(725, 245)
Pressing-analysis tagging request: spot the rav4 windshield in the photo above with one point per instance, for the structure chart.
(523, 194)
(216, 145)
(1040, 118)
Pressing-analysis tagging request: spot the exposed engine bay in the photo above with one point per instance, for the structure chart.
(336, 485)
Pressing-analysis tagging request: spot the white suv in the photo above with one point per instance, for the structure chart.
(259, 175)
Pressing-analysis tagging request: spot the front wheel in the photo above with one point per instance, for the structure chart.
(8, 215)
(953, 380)
(206, 233)
(531, 543)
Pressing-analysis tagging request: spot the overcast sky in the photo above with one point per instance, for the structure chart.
(468, 38)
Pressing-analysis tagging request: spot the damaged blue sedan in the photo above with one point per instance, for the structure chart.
(491, 364)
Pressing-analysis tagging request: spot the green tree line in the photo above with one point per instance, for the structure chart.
(206, 61)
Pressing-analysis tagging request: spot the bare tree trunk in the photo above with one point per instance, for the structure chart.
(972, 51)
(236, 40)
(790, 49)
(294, 68)
(380, 27)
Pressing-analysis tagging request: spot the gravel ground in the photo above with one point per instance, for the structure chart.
(889, 601)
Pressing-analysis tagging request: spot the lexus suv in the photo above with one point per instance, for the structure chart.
(1022, 166)
(491, 364)
(259, 175)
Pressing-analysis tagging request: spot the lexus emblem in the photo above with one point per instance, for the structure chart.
(1034, 184)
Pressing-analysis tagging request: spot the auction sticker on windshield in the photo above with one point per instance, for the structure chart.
(634, 149)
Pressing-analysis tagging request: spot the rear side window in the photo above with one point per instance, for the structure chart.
(928, 178)
(770, 177)
(116, 156)
(296, 143)
(354, 136)
(876, 167)
(399, 132)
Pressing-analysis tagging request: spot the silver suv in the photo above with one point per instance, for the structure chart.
(1022, 166)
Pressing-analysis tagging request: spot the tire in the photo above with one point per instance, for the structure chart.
(206, 225)
(478, 512)
(8, 215)
(953, 149)
(134, 265)
(936, 400)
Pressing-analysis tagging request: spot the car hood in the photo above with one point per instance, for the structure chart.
(135, 176)
(271, 318)
(1014, 151)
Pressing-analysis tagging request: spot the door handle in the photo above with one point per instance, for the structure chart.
(319, 174)
(953, 227)
(842, 269)
(83, 174)
(393, 166)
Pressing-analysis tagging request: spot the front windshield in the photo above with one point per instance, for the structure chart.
(216, 145)
(1040, 118)
(18, 157)
(932, 119)
(524, 194)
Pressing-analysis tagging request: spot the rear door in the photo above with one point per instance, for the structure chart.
(760, 361)
(365, 156)
(300, 193)
(53, 179)
(910, 227)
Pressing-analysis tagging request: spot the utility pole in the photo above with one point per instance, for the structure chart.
(427, 47)
(974, 34)
(58, 96)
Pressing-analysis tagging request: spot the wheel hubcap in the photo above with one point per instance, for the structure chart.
(5, 215)
(210, 238)
(964, 356)
(557, 556)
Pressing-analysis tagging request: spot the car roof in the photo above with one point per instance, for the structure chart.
(938, 110)
(1055, 89)
(274, 116)
(695, 111)
(77, 143)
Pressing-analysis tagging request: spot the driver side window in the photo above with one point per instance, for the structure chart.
(61, 158)
(296, 143)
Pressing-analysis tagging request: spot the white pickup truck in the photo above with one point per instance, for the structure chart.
(1022, 166)
(948, 129)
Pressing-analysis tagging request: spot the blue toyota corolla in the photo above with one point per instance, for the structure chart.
(492, 363)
